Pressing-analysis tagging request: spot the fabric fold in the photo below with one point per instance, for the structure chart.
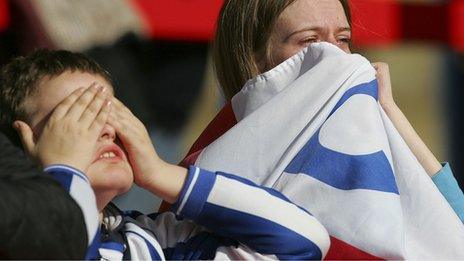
(313, 129)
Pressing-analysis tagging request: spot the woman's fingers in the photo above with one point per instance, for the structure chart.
(383, 73)
(384, 83)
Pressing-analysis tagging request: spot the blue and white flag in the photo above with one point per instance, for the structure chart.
(313, 128)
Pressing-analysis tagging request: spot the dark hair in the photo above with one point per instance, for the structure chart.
(20, 77)
(243, 30)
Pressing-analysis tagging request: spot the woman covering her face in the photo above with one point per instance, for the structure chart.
(255, 36)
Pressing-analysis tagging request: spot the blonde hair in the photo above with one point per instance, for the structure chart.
(243, 34)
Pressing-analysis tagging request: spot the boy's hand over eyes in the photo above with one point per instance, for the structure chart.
(69, 137)
(150, 172)
(136, 141)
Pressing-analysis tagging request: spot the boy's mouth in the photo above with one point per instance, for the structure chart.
(110, 153)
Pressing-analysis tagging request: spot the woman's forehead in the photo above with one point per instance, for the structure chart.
(322, 14)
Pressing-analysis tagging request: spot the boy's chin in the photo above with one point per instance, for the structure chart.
(106, 191)
(112, 177)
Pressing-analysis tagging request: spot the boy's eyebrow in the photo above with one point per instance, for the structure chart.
(317, 29)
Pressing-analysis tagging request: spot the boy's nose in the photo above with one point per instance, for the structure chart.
(108, 133)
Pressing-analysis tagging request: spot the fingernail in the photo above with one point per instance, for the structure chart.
(103, 88)
(16, 125)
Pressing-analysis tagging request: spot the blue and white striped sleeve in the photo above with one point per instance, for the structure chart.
(77, 185)
(258, 217)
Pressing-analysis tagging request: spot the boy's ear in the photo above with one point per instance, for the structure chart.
(26, 135)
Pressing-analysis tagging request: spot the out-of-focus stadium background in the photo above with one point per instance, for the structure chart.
(158, 52)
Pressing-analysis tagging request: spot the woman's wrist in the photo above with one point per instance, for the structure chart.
(389, 107)
(420, 150)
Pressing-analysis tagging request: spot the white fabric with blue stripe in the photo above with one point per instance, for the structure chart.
(312, 128)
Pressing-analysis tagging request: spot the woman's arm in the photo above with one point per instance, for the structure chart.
(423, 154)
(441, 176)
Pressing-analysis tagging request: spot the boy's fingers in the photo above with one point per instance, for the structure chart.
(102, 117)
(117, 125)
(76, 110)
(94, 108)
(121, 129)
(64, 105)
(114, 121)
(26, 135)
(118, 113)
(119, 110)
(122, 113)
(119, 105)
